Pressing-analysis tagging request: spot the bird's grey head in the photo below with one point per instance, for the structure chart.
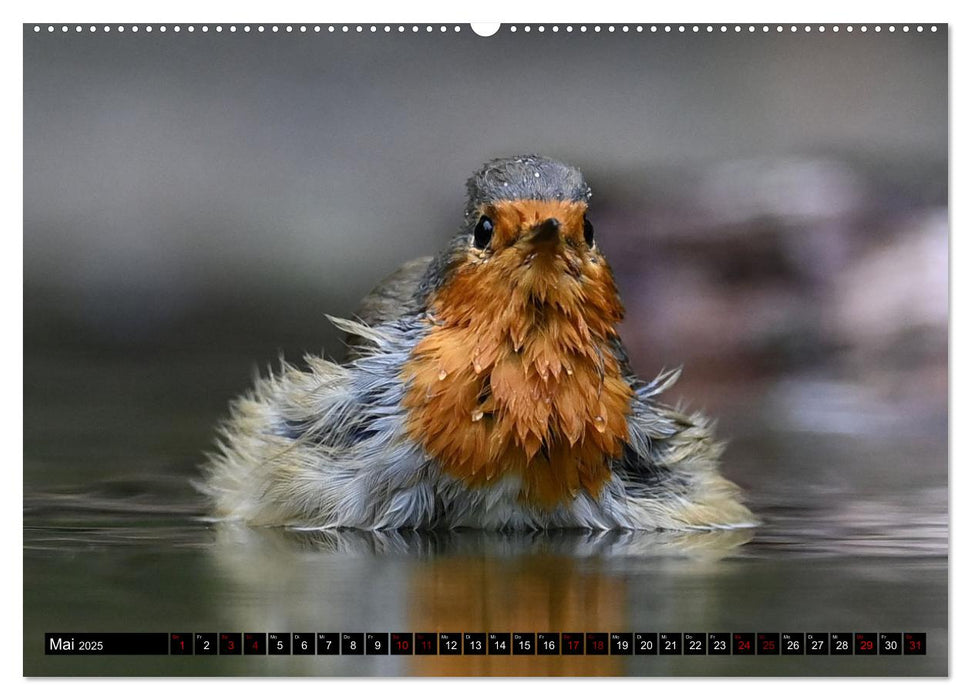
(526, 177)
(525, 198)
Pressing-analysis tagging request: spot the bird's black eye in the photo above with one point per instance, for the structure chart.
(587, 231)
(483, 232)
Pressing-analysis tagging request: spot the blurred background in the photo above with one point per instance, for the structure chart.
(774, 206)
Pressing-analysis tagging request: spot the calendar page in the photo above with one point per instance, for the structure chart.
(524, 349)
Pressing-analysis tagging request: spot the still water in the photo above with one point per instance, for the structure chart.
(115, 539)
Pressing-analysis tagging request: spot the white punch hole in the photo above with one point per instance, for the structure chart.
(485, 28)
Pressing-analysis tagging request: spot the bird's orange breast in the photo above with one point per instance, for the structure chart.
(516, 374)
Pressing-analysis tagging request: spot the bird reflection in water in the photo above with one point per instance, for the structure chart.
(453, 581)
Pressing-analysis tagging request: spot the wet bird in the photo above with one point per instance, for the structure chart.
(486, 387)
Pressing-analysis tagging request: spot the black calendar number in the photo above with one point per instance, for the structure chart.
(303, 643)
(915, 643)
(426, 643)
(180, 643)
(719, 644)
(817, 643)
(694, 644)
(500, 643)
(254, 643)
(230, 643)
(891, 643)
(474, 643)
(450, 643)
(403, 643)
(376, 643)
(793, 643)
(767, 643)
(743, 643)
(865, 643)
(597, 643)
(523, 643)
(206, 643)
(548, 643)
(841, 643)
(669, 643)
(278, 643)
(621, 643)
(352, 644)
(645, 643)
(328, 643)
(571, 643)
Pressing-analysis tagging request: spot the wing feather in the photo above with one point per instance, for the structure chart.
(395, 296)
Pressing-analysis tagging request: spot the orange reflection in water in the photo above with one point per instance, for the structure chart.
(538, 594)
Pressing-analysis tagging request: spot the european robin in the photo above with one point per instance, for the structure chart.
(486, 387)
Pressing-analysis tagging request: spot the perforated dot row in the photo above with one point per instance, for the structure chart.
(712, 28)
(246, 28)
(427, 28)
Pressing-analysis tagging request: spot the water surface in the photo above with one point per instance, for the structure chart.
(116, 539)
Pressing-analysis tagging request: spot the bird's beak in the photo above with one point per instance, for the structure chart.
(545, 232)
